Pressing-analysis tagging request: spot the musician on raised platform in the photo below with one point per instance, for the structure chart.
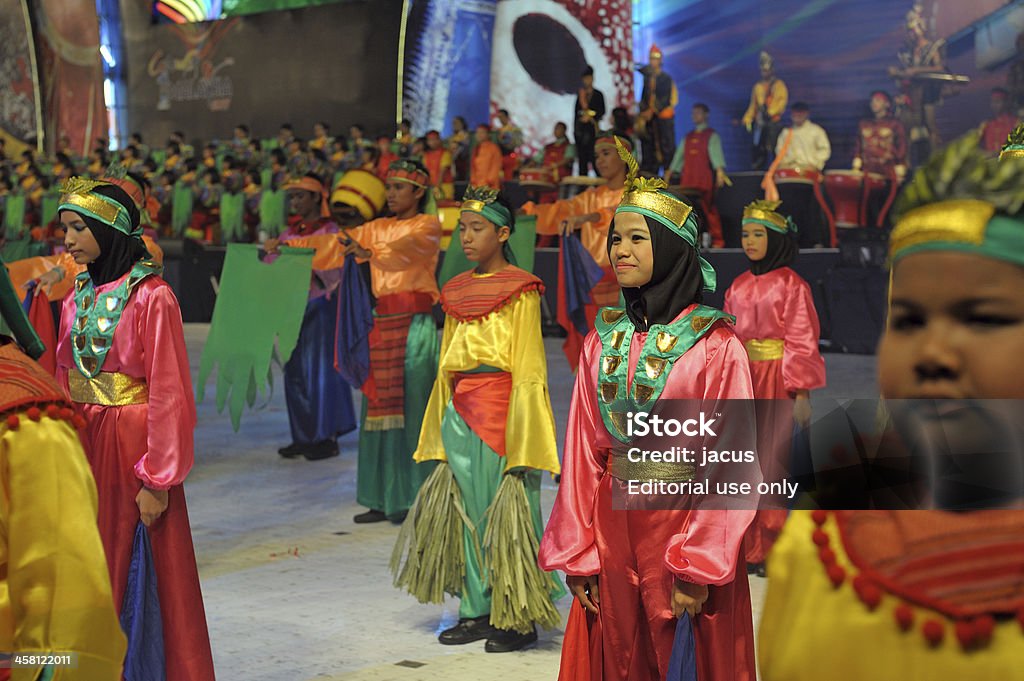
(995, 130)
(802, 151)
(657, 115)
(768, 99)
(700, 164)
(881, 149)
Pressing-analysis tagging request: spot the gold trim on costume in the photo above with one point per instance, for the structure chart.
(609, 391)
(767, 216)
(621, 468)
(107, 212)
(610, 363)
(666, 341)
(960, 220)
(1011, 153)
(653, 367)
(764, 349)
(667, 206)
(612, 315)
(109, 388)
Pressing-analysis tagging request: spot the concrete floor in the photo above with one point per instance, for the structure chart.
(295, 590)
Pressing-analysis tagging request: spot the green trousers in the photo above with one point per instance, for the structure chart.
(387, 478)
(478, 470)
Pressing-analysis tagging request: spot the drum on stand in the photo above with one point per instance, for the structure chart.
(574, 184)
(538, 181)
(797, 176)
(845, 189)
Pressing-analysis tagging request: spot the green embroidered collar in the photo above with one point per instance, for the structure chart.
(665, 344)
(97, 316)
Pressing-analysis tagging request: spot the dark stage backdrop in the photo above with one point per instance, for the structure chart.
(830, 53)
(335, 62)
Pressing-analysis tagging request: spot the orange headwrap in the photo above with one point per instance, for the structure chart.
(310, 185)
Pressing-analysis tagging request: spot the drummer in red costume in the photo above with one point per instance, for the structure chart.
(591, 213)
(995, 130)
(558, 158)
(881, 148)
(700, 163)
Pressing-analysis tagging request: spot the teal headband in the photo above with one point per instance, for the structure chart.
(687, 231)
(495, 212)
(102, 208)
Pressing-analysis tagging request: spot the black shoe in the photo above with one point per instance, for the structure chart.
(399, 518)
(292, 451)
(762, 570)
(370, 516)
(324, 449)
(468, 629)
(507, 640)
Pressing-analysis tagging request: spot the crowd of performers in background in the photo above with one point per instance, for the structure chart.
(223, 191)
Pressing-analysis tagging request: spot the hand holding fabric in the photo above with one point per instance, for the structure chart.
(584, 589)
(152, 503)
(688, 598)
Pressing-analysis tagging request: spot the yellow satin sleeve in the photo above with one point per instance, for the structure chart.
(810, 630)
(530, 438)
(56, 593)
(509, 340)
(429, 446)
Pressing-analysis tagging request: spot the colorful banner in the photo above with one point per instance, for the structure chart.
(18, 96)
(67, 34)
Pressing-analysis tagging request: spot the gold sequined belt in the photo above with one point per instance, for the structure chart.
(109, 388)
(621, 467)
(764, 349)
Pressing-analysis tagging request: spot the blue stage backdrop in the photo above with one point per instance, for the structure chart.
(447, 63)
(831, 53)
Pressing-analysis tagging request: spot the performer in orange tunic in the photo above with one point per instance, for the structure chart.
(438, 161)
(402, 251)
(777, 322)
(486, 163)
(590, 213)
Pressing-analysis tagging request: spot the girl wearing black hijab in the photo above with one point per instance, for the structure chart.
(776, 320)
(630, 568)
(121, 361)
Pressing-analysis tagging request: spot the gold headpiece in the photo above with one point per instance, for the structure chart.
(476, 198)
(645, 193)
(1014, 147)
(765, 212)
(79, 185)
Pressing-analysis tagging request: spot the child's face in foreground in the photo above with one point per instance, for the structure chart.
(955, 329)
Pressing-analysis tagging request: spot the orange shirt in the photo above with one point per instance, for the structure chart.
(600, 200)
(24, 271)
(485, 169)
(403, 256)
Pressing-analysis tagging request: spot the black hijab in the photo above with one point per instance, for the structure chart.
(676, 281)
(118, 251)
(781, 253)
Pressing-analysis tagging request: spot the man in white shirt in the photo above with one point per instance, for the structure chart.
(802, 150)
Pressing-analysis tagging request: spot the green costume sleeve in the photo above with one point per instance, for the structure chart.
(272, 210)
(258, 304)
(181, 207)
(232, 207)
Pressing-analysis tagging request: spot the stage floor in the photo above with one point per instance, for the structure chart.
(295, 590)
